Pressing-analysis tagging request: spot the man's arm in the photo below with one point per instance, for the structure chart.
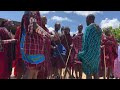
(6, 34)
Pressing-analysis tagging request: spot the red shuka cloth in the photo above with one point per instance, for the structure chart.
(5, 56)
(77, 46)
(45, 67)
(57, 61)
(34, 42)
(110, 51)
(66, 40)
(18, 63)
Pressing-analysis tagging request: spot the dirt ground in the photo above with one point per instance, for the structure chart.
(83, 75)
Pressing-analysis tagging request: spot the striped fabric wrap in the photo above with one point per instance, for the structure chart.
(90, 54)
(32, 43)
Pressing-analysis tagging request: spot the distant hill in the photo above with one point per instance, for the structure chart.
(13, 29)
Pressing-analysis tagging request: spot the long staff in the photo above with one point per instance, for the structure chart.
(68, 60)
(104, 63)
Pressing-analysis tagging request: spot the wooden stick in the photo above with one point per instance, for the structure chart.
(41, 31)
(104, 62)
(68, 56)
(8, 41)
(67, 61)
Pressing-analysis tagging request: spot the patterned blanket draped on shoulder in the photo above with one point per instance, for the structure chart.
(90, 53)
(31, 41)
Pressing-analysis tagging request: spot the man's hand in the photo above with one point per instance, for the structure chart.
(102, 46)
(71, 45)
(9, 41)
(107, 57)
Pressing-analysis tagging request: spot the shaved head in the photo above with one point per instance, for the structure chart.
(107, 31)
(43, 17)
(91, 16)
(44, 20)
(90, 19)
(57, 26)
(80, 27)
(57, 23)
(67, 30)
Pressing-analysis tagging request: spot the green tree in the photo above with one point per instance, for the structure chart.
(116, 33)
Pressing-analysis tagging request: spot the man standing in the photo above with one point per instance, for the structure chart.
(90, 53)
(31, 43)
(110, 46)
(45, 73)
(66, 40)
(6, 53)
(19, 63)
(56, 52)
(77, 46)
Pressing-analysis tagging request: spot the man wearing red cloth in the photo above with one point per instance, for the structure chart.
(34, 42)
(56, 55)
(66, 41)
(77, 46)
(19, 63)
(46, 72)
(6, 53)
(110, 44)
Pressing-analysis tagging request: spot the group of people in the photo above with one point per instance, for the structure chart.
(37, 53)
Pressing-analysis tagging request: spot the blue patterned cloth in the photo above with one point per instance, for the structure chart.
(90, 54)
(60, 49)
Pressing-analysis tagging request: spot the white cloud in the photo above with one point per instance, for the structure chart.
(83, 13)
(50, 28)
(45, 12)
(57, 18)
(114, 23)
(68, 11)
(71, 33)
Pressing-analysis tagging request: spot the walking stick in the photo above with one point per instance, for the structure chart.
(64, 61)
(104, 63)
(67, 61)
(40, 30)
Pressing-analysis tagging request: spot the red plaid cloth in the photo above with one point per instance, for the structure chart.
(77, 46)
(18, 63)
(66, 41)
(3, 66)
(110, 51)
(4, 34)
(17, 37)
(5, 56)
(33, 42)
(45, 67)
(77, 42)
